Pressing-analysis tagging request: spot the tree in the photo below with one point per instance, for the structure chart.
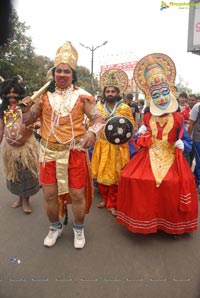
(84, 80)
(17, 57)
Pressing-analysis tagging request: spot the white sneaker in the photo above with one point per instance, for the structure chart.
(79, 238)
(52, 236)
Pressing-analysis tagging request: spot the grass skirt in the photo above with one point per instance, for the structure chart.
(20, 167)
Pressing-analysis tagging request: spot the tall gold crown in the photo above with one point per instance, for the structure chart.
(66, 54)
(154, 74)
(114, 78)
(153, 70)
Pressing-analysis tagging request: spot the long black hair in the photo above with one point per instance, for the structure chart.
(17, 84)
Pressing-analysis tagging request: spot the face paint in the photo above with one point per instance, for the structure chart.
(63, 76)
(161, 97)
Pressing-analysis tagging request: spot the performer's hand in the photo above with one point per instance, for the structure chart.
(26, 104)
(88, 140)
(179, 144)
(142, 129)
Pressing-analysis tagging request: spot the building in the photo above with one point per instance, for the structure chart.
(194, 27)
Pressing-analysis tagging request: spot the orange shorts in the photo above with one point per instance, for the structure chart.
(77, 170)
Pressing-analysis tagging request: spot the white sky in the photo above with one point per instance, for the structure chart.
(133, 29)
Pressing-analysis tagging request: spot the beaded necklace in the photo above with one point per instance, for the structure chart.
(13, 113)
(61, 106)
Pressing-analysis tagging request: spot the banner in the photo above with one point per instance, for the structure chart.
(126, 66)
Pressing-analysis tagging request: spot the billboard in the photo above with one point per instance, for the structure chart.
(126, 66)
(194, 27)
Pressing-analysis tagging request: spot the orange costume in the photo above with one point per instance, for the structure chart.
(64, 161)
(61, 131)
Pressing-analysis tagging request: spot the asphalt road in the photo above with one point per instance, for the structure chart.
(115, 263)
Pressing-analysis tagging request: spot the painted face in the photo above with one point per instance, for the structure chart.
(13, 97)
(161, 97)
(63, 76)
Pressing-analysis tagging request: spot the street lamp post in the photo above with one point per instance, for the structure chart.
(92, 49)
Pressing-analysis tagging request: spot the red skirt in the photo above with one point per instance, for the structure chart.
(144, 208)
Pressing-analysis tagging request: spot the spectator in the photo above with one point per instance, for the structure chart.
(194, 132)
(186, 114)
(134, 108)
(182, 100)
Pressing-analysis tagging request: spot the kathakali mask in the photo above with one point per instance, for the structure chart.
(155, 75)
(114, 78)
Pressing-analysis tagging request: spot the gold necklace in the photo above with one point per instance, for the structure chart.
(62, 89)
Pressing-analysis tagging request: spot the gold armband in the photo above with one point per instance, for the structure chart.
(96, 128)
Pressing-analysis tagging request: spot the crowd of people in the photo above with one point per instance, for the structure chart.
(144, 172)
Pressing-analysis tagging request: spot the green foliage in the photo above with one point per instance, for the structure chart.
(17, 57)
(85, 80)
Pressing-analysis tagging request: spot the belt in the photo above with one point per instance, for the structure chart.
(54, 146)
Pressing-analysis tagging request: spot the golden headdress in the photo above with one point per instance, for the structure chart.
(114, 78)
(66, 54)
(154, 71)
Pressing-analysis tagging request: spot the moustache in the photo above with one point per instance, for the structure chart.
(17, 97)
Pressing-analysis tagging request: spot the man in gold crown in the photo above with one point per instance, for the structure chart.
(108, 159)
(64, 164)
(157, 189)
